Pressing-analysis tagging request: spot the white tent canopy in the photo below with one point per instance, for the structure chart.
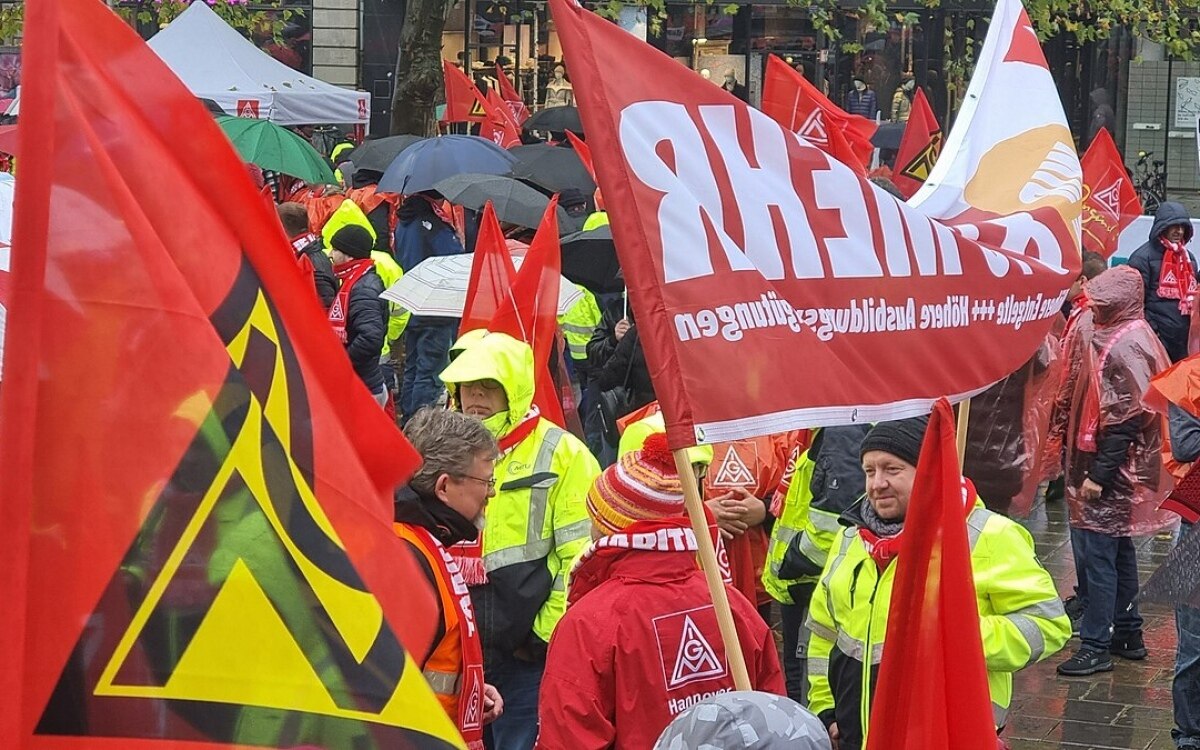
(216, 62)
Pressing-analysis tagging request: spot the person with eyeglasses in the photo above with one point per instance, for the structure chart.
(537, 524)
(441, 506)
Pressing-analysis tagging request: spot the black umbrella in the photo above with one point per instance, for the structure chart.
(556, 120)
(553, 168)
(590, 260)
(212, 107)
(514, 201)
(888, 135)
(378, 154)
(424, 164)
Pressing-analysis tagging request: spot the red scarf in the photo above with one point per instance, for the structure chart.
(1079, 304)
(439, 209)
(661, 535)
(469, 555)
(470, 696)
(348, 274)
(1177, 278)
(884, 549)
(302, 259)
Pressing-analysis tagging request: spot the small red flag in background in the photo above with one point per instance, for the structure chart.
(515, 103)
(492, 274)
(464, 103)
(919, 147)
(790, 100)
(1110, 202)
(585, 155)
(198, 533)
(530, 311)
(499, 127)
(932, 692)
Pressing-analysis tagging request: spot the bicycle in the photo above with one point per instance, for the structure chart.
(1150, 182)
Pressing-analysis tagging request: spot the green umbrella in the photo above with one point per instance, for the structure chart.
(271, 147)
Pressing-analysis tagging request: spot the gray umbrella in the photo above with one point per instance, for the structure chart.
(514, 201)
(378, 154)
(554, 168)
(422, 165)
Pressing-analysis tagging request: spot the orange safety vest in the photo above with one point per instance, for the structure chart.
(455, 668)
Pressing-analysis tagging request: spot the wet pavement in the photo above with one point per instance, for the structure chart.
(1128, 708)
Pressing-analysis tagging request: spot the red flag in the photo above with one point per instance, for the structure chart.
(584, 152)
(199, 532)
(499, 126)
(492, 274)
(932, 692)
(514, 101)
(919, 147)
(464, 103)
(1110, 202)
(793, 102)
(742, 243)
(530, 311)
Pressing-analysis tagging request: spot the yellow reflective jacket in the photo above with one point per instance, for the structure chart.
(791, 522)
(537, 523)
(578, 324)
(634, 437)
(385, 265)
(1021, 617)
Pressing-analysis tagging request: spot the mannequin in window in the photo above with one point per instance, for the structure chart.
(559, 92)
(862, 100)
(705, 74)
(732, 86)
(902, 99)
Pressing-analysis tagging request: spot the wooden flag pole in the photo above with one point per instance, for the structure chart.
(964, 416)
(712, 571)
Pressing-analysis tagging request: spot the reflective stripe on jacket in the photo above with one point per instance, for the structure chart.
(579, 323)
(790, 523)
(1021, 618)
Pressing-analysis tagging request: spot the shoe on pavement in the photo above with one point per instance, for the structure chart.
(1086, 661)
(1130, 647)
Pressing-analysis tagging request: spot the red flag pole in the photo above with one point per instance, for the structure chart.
(712, 572)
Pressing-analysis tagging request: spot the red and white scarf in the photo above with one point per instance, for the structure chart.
(470, 696)
(469, 555)
(1177, 278)
(348, 274)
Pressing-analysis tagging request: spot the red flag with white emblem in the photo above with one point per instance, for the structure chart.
(1110, 202)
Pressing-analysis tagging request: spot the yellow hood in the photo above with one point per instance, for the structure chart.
(499, 357)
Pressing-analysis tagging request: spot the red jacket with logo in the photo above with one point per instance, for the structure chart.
(640, 643)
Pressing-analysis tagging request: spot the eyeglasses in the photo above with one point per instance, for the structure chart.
(490, 482)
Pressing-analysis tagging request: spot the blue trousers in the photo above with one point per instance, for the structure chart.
(1185, 691)
(426, 354)
(1109, 565)
(519, 684)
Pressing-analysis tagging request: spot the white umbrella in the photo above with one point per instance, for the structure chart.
(437, 287)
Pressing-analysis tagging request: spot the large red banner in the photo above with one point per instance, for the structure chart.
(774, 289)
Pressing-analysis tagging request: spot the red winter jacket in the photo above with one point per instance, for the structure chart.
(639, 643)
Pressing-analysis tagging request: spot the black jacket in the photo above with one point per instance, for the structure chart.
(447, 526)
(366, 329)
(616, 363)
(1163, 314)
(323, 276)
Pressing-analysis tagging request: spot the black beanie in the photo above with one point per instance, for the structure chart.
(353, 240)
(901, 438)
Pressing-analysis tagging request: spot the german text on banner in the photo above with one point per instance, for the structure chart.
(1110, 202)
(199, 529)
(774, 289)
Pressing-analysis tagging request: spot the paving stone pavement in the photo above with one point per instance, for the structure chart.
(1126, 709)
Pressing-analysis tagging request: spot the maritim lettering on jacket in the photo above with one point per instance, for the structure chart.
(797, 216)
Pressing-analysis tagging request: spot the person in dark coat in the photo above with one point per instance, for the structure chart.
(1169, 277)
(307, 247)
(423, 231)
(358, 314)
(615, 359)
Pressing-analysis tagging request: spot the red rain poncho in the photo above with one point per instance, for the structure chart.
(1117, 355)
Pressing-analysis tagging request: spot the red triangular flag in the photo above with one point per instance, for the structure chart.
(584, 152)
(499, 126)
(516, 104)
(464, 103)
(793, 102)
(239, 475)
(492, 274)
(1110, 201)
(932, 692)
(530, 312)
(919, 147)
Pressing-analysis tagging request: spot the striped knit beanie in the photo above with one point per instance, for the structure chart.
(640, 486)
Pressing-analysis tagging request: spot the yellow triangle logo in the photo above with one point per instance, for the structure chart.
(922, 164)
